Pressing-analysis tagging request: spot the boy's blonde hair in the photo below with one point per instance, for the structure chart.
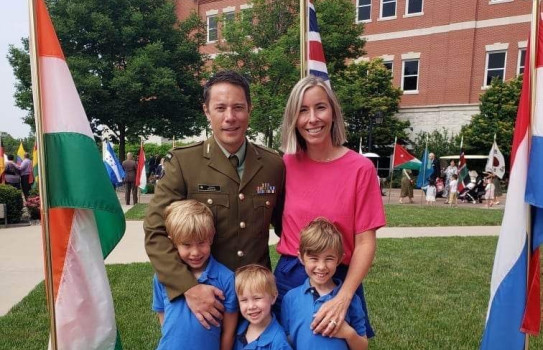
(256, 278)
(320, 235)
(189, 220)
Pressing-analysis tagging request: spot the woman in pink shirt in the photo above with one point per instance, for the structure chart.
(324, 178)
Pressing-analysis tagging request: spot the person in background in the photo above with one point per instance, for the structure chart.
(450, 170)
(406, 186)
(26, 171)
(498, 192)
(12, 173)
(436, 167)
(453, 191)
(431, 193)
(130, 169)
(325, 178)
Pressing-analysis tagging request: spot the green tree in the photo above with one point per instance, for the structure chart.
(498, 112)
(366, 91)
(266, 50)
(135, 66)
(11, 144)
(441, 143)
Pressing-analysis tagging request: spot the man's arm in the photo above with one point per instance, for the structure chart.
(171, 271)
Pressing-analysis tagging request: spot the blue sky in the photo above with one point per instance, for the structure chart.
(14, 26)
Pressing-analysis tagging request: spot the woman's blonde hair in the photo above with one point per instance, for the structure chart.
(255, 278)
(188, 220)
(291, 140)
(320, 235)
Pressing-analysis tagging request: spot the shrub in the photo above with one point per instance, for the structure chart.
(12, 197)
(150, 189)
(33, 205)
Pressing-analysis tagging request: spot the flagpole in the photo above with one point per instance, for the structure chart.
(425, 154)
(392, 169)
(46, 234)
(303, 38)
(533, 84)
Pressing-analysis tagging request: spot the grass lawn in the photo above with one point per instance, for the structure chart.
(423, 293)
(408, 215)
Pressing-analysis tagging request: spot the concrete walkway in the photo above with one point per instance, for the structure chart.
(21, 264)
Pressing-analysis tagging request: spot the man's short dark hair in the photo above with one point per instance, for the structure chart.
(230, 77)
(11, 157)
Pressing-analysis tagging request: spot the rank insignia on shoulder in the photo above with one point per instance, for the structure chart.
(265, 188)
(209, 188)
(168, 157)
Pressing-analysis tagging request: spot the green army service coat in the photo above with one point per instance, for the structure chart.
(242, 210)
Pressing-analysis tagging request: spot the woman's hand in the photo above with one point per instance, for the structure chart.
(329, 318)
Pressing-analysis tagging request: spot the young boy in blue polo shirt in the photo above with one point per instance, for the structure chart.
(321, 251)
(256, 291)
(190, 227)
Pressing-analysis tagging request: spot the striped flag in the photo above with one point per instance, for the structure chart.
(514, 308)
(141, 174)
(20, 153)
(85, 217)
(404, 160)
(113, 165)
(316, 62)
(463, 173)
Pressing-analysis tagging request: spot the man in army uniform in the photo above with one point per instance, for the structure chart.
(241, 183)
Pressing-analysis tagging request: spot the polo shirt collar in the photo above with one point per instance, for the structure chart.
(209, 272)
(266, 338)
(240, 153)
(308, 289)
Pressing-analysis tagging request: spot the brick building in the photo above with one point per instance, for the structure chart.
(443, 53)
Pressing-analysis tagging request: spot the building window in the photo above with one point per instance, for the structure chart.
(228, 17)
(388, 8)
(364, 10)
(247, 15)
(413, 6)
(495, 66)
(211, 28)
(389, 65)
(410, 77)
(521, 59)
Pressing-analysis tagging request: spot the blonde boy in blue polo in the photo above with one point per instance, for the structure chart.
(321, 251)
(190, 227)
(256, 291)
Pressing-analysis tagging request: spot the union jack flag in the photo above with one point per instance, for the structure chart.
(316, 62)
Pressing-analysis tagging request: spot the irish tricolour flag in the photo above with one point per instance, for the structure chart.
(85, 218)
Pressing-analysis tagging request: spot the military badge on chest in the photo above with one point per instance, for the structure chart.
(265, 188)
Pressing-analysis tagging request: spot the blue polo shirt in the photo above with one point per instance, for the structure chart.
(273, 337)
(181, 329)
(299, 306)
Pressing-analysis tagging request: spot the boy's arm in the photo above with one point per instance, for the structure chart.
(353, 339)
(229, 323)
(160, 316)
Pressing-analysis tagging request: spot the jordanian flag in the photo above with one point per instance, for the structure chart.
(85, 217)
(404, 160)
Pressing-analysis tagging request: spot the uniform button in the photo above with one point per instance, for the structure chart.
(241, 253)
(242, 224)
(210, 201)
(268, 203)
(241, 196)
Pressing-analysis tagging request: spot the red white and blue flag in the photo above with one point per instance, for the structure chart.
(316, 62)
(514, 310)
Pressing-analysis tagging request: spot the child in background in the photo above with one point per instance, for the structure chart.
(257, 292)
(453, 190)
(190, 227)
(431, 193)
(321, 251)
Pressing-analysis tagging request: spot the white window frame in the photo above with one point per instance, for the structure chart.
(224, 15)
(358, 6)
(488, 53)
(494, 2)
(407, 14)
(404, 60)
(381, 10)
(216, 29)
(520, 63)
(391, 66)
